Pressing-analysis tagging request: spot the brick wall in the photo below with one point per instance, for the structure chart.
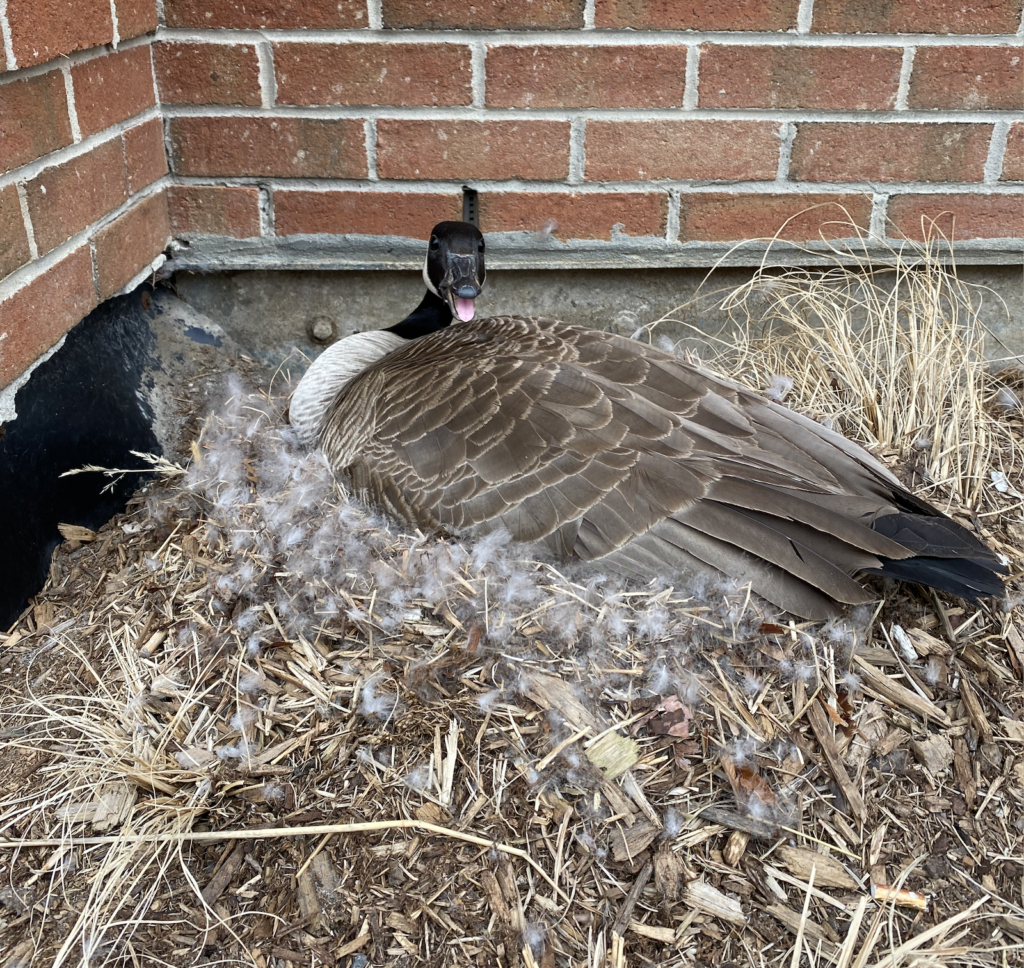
(686, 124)
(83, 167)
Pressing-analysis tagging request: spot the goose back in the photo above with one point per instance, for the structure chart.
(606, 448)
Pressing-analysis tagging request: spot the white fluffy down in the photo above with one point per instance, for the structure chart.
(306, 559)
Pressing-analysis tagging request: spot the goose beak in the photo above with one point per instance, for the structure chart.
(460, 286)
(462, 307)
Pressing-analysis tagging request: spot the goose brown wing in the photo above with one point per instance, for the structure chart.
(603, 446)
(499, 422)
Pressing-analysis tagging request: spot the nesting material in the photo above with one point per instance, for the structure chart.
(250, 720)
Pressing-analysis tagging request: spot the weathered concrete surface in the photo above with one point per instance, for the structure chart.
(274, 313)
(538, 250)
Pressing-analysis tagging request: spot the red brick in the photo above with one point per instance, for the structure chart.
(392, 74)
(112, 88)
(145, 154)
(916, 16)
(125, 247)
(971, 78)
(696, 15)
(473, 149)
(44, 29)
(362, 213)
(890, 152)
(33, 119)
(958, 217)
(256, 14)
(827, 78)
(706, 150)
(189, 73)
(14, 251)
(38, 315)
(67, 198)
(719, 217)
(493, 14)
(585, 77)
(285, 147)
(135, 17)
(201, 210)
(1013, 159)
(574, 216)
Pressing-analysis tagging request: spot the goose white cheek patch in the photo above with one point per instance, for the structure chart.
(464, 309)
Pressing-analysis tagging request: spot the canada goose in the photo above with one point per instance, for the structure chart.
(609, 449)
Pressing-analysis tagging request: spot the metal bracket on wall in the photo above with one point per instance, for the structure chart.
(470, 208)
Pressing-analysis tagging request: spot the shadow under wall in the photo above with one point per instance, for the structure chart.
(82, 406)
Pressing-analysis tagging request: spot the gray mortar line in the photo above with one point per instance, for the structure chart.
(577, 151)
(267, 78)
(115, 36)
(906, 69)
(686, 187)
(672, 221)
(375, 14)
(590, 38)
(152, 70)
(95, 266)
(804, 16)
(266, 206)
(370, 135)
(690, 92)
(478, 75)
(168, 144)
(459, 113)
(787, 133)
(69, 92)
(879, 215)
(996, 151)
(33, 249)
(5, 32)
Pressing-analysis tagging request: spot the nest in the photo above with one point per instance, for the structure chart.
(251, 722)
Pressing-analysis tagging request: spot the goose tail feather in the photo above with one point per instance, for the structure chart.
(945, 556)
(966, 577)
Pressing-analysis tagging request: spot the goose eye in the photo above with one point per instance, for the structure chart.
(480, 246)
(434, 244)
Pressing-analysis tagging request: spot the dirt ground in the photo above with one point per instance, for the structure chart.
(696, 782)
(249, 722)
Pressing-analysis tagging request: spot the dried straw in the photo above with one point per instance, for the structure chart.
(250, 720)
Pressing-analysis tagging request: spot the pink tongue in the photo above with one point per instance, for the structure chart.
(464, 307)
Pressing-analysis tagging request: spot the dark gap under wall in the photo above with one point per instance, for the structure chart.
(82, 406)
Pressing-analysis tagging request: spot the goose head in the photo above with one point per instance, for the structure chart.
(454, 266)
(454, 273)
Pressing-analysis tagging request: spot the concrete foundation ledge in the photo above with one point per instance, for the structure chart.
(529, 250)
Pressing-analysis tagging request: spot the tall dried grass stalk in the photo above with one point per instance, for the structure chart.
(888, 346)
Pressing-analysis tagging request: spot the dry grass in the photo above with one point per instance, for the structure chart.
(890, 350)
(250, 723)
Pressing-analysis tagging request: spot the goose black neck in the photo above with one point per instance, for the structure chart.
(429, 316)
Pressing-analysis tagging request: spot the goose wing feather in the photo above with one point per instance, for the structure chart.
(606, 447)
